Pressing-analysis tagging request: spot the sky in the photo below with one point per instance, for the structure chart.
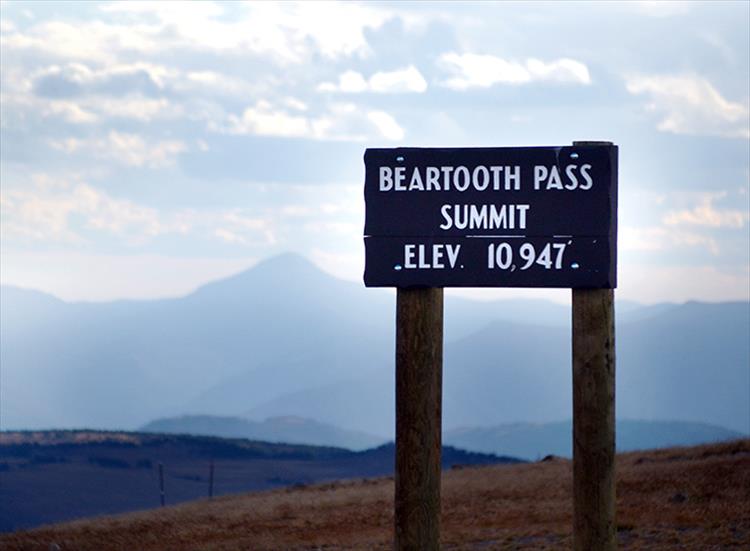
(147, 148)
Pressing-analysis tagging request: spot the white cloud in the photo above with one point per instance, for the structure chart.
(95, 41)
(689, 104)
(264, 119)
(658, 8)
(45, 213)
(349, 81)
(69, 111)
(7, 26)
(340, 121)
(296, 104)
(659, 238)
(125, 76)
(707, 215)
(407, 79)
(286, 31)
(73, 212)
(78, 94)
(124, 148)
(483, 71)
(96, 109)
(387, 125)
(240, 227)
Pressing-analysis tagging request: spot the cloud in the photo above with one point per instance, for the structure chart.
(76, 213)
(689, 104)
(236, 226)
(289, 32)
(658, 8)
(46, 213)
(407, 79)
(78, 94)
(483, 71)
(387, 125)
(69, 111)
(264, 119)
(124, 148)
(705, 214)
(84, 40)
(75, 79)
(658, 238)
(340, 121)
(350, 81)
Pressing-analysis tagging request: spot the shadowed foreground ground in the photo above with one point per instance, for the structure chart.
(680, 498)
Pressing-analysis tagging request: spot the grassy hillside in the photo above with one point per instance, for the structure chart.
(678, 498)
(54, 476)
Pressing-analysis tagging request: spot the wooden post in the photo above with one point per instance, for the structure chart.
(594, 524)
(161, 483)
(419, 380)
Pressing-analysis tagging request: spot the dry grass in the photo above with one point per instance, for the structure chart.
(680, 498)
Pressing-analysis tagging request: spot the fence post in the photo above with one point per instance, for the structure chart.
(161, 483)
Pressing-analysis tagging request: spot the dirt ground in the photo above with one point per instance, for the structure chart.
(680, 498)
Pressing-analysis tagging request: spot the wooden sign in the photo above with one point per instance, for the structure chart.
(496, 217)
(491, 217)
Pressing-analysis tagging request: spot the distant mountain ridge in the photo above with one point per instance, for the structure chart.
(533, 441)
(286, 339)
(289, 430)
(528, 441)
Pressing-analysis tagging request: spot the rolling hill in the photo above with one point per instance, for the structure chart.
(673, 499)
(53, 476)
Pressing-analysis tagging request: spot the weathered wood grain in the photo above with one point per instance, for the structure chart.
(419, 369)
(594, 526)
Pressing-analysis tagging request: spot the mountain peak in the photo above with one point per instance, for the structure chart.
(285, 271)
(289, 261)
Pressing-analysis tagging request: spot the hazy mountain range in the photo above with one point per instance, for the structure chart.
(290, 430)
(285, 339)
(524, 440)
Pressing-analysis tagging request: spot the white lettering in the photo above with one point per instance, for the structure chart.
(446, 170)
(409, 256)
(416, 181)
(570, 172)
(484, 217)
(466, 180)
(400, 177)
(430, 256)
(554, 181)
(445, 211)
(585, 173)
(433, 175)
(386, 178)
(496, 177)
(513, 177)
(453, 254)
(485, 176)
(540, 174)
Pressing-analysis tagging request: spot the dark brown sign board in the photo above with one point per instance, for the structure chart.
(491, 217)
